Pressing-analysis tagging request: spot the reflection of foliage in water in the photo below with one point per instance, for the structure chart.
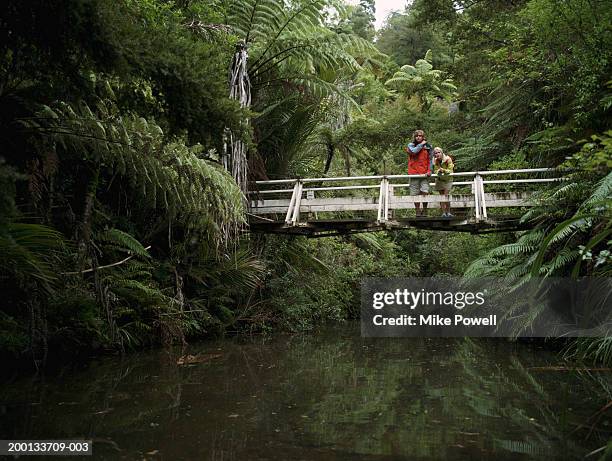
(422, 398)
(408, 398)
(102, 400)
(540, 426)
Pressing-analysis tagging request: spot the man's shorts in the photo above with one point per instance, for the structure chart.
(418, 185)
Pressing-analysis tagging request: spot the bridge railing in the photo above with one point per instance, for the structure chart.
(475, 190)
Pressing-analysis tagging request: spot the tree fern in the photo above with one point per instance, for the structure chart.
(167, 175)
(424, 81)
(288, 45)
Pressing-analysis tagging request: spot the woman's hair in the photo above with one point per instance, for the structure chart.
(436, 161)
(416, 133)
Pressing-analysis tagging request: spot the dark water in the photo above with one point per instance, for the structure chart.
(328, 396)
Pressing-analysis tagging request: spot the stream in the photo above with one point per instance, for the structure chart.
(330, 395)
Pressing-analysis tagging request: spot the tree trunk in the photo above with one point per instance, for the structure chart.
(235, 156)
(84, 227)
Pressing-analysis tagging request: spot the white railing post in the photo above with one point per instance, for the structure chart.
(386, 207)
(483, 203)
(480, 207)
(476, 192)
(383, 207)
(296, 206)
(390, 199)
(289, 214)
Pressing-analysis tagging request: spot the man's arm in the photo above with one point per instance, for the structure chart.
(414, 149)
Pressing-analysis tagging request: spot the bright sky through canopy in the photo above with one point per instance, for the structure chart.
(385, 7)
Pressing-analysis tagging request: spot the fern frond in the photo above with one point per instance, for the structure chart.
(560, 261)
(27, 252)
(602, 192)
(124, 241)
(193, 190)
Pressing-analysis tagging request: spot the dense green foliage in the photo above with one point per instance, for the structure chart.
(119, 227)
(107, 132)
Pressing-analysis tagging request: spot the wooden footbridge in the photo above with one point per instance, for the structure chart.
(481, 201)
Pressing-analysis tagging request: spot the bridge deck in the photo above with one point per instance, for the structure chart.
(373, 203)
(332, 227)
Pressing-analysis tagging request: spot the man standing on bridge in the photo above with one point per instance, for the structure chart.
(419, 162)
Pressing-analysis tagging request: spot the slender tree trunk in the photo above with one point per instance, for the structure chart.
(347, 161)
(330, 156)
(38, 330)
(235, 156)
(84, 227)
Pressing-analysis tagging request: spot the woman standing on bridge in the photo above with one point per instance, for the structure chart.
(419, 162)
(443, 167)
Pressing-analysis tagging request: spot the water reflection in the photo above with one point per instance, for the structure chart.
(329, 396)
